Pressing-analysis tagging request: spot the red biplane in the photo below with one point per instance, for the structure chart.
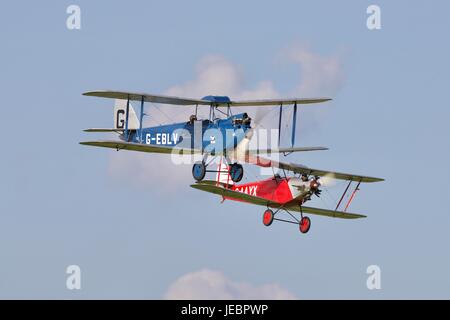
(285, 194)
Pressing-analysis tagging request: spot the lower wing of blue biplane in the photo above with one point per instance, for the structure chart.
(122, 145)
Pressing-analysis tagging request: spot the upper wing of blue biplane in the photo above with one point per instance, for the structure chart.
(207, 101)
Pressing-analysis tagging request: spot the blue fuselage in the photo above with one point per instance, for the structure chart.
(210, 136)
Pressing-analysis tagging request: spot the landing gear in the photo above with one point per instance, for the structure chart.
(199, 171)
(236, 172)
(304, 224)
(268, 217)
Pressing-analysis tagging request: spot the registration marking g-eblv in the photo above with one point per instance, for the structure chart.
(162, 138)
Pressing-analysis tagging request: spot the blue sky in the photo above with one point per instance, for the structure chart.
(134, 235)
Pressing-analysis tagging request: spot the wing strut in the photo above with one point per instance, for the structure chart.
(351, 198)
(141, 115)
(279, 124)
(126, 118)
(343, 195)
(294, 122)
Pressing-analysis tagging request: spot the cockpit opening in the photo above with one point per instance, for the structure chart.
(245, 120)
(192, 118)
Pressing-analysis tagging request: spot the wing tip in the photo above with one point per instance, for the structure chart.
(95, 93)
(90, 143)
(320, 148)
(348, 215)
(320, 99)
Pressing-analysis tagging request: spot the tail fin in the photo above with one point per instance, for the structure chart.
(120, 112)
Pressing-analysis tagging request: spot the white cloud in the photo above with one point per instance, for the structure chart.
(320, 75)
(216, 75)
(210, 284)
(149, 170)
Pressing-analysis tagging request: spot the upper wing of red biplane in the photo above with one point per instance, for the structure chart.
(298, 168)
(284, 150)
(216, 101)
(208, 186)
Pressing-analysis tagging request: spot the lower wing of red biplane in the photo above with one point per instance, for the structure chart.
(209, 186)
(279, 193)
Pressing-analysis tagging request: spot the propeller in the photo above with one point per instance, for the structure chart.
(318, 192)
(259, 116)
(327, 180)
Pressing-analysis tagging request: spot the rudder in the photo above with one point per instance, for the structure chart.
(120, 112)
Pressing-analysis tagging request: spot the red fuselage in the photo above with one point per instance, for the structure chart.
(280, 190)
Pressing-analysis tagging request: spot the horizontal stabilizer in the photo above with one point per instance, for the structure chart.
(103, 130)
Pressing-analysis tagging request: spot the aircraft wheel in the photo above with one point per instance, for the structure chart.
(268, 217)
(236, 172)
(199, 171)
(305, 224)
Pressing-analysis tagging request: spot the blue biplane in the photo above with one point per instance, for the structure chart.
(209, 137)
